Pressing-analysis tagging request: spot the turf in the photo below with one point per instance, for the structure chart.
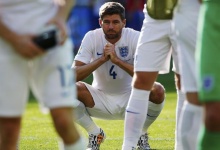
(38, 133)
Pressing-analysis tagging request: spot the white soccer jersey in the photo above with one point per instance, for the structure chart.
(25, 16)
(109, 77)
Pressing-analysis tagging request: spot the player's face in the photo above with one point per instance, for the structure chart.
(112, 26)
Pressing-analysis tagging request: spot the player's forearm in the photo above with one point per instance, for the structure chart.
(64, 10)
(7, 34)
(84, 71)
(125, 66)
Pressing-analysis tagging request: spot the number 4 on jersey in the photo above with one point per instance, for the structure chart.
(112, 72)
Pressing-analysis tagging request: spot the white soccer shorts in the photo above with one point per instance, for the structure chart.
(49, 76)
(156, 44)
(186, 38)
(108, 106)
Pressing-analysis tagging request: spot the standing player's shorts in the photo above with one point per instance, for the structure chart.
(208, 52)
(155, 45)
(108, 106)
(185, 22)
(48, 76)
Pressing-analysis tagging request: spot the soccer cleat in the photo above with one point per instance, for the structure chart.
(96, 140)
(143, 142)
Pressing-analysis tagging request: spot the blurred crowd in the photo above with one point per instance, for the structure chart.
(85, 14)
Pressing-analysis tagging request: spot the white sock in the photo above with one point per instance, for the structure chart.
(189, 126)
(154, 111)
(181, 97)
(78, 145)
(136, 111)
(84, 120)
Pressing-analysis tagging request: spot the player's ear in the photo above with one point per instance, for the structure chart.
(100, 22)
(124, 21)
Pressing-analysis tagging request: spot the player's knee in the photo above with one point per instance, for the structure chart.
(11, 126)
(84, 95)
(212, 120)
(62, 121)
(157, 94)
(80, 88)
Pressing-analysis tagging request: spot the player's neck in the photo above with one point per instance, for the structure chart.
(113, 41)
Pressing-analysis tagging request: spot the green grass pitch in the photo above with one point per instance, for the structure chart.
(38, 133)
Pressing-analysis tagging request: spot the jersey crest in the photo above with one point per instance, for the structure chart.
(123, 51)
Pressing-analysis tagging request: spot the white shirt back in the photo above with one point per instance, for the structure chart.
(26, 16)
(109, 77)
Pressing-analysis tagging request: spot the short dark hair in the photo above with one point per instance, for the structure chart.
(111, 8)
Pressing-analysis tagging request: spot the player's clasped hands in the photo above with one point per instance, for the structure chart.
(109, 52)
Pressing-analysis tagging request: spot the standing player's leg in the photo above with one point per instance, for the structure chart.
(180, 100)
(53, 84)
(191, 115)
(9, 129)
(64, 125)
(137, 108)
(156, 51)
(209, 82)
(12, 98)
(156, 104)
(181, 96)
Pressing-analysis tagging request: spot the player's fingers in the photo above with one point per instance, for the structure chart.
(62, 32)
(36, 51)
(107, 46)
(28, 54)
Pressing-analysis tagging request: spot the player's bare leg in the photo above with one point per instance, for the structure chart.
(64, 124)
(9, 133)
